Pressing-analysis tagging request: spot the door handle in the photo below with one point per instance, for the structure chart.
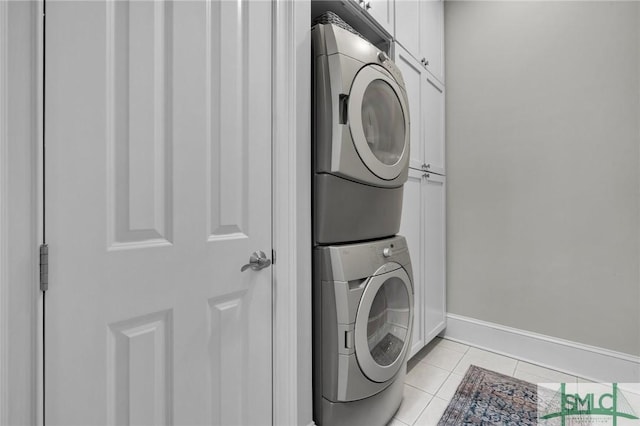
(257, 261)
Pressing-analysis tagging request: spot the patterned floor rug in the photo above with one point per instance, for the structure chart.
(485, 397)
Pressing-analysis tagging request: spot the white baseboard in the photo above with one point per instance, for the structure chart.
(589, 362)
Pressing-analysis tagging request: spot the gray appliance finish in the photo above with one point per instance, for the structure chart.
(360, 138)
(363, 318)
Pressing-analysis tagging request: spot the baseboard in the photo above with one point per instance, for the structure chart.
(589, 362)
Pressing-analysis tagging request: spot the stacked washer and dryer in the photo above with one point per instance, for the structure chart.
(362, 283)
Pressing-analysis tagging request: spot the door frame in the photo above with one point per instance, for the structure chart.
(21, 341)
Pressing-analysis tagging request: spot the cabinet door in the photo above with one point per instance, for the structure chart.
(383, 12)
(432, 36)
(408, 19)
(412, 73)
(434, 256)
(433, 116)
(412, 228)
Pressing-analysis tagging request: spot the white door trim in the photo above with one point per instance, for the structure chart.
(4, 225)
(21, 26)
(292, 398)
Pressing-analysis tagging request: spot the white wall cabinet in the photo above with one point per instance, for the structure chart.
(420, 30)
(432, 118)
(413, 75)
(423, 225)
(432, 36)
(435, 304)
(383, 11)
(423, 212)
(412, 228)
(426, 112)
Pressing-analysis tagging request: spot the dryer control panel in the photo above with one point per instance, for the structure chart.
(390, 66)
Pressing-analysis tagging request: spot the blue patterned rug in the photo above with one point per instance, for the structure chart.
(485, 397)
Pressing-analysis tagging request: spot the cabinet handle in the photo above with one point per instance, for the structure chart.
(426, 175)
(426, 62)
(367, 5)
(428, 166)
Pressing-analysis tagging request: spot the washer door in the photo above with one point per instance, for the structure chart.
(379, 122)
(383, 324)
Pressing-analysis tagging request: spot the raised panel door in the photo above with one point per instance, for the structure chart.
(383, 11)
(432, 36)
(408, 20)
(412, 228)
(413, 79)
(158, 189)
(433, 127)
(434, 256)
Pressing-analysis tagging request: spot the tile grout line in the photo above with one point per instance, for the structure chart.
(515, 368)
(417, 388)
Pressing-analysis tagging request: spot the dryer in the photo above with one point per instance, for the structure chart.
(360, 138)
(363, 317)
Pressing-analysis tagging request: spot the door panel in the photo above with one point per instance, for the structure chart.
(408, 18)
(412, 228)
(383, 11)
(158, 189)
(412, 73)
(432, 36)
(435, 250)
(433, 110)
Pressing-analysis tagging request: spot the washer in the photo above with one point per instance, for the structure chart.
(360, 137)
(363, 317)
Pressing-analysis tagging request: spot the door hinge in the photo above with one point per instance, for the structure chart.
(273, 257)
(44, 267)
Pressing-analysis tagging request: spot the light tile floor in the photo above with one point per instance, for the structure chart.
(435, 372)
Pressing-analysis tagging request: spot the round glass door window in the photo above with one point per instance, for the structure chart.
(388, 326)
(383, 122)
(379, 122)
(383, 325)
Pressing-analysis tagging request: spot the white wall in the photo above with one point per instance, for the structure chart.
(543, 167)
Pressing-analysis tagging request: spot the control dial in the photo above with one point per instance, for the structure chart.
(386, 252)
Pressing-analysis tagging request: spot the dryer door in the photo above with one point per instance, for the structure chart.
(379, 122)
(383, 324)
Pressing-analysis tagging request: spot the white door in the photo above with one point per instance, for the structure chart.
(412, 228)
(435, 305)
(432, 36)
(408, 19)
(412, 73)
(433, 113)
(383, 12)
(158, 189)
